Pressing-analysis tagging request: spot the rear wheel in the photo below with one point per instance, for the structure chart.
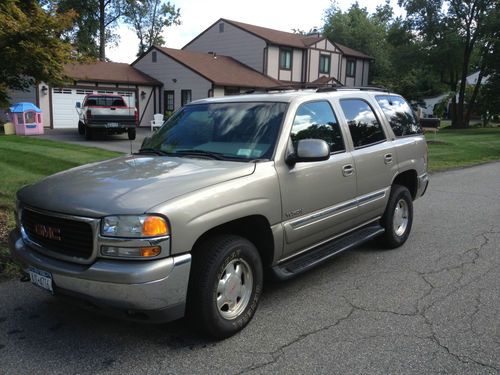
(225, 285)
(131, 133)
(398, 217)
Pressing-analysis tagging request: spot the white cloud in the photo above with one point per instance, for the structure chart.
(196, 16)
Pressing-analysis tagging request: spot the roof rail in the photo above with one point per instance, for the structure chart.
(359, 88)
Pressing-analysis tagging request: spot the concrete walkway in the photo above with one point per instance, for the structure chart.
(118, 143)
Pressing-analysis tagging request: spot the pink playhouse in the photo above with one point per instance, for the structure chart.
(27, 118)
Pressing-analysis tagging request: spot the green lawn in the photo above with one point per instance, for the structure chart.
(24, 160)
(451, 148)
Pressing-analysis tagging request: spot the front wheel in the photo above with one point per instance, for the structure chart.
(398, 217)
(225, 285)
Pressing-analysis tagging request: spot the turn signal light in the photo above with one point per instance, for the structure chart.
(150, 251)
(154, 226)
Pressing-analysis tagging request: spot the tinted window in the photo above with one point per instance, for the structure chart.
(363, 124)
(399, 114)
(317, 120)
(105, 101)
(233, 130)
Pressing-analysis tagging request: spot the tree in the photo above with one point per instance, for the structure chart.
(148, 18)
(467, 24)
(32, 50)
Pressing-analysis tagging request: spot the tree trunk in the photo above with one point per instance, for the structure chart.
(102, 31)
(472, 102)
(459, 120)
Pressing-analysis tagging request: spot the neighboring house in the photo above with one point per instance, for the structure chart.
(58, 103)
(431, 102)
(287, 57)
(188, 76)
(228, 58)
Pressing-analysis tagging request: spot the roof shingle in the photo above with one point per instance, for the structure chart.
(221, 70)
(109, 72)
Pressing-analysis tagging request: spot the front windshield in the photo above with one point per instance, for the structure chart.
(245, 131)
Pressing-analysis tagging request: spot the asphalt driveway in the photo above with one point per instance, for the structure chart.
(432, 306)
(118, 143)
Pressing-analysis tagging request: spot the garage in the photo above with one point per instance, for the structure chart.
(64, 114)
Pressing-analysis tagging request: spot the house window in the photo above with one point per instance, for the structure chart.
(185, 97)
(231, 91)
(351, 68)
(324, 64)
(221, 27)
(286, 59)
(168, 96)
(153, 56)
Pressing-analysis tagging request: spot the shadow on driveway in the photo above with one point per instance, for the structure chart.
(119, 143)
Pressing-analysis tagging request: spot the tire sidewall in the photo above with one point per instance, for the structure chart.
(216, 324)
(392, 239)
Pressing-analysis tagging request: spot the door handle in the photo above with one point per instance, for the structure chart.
(388, 158)
(347, 170)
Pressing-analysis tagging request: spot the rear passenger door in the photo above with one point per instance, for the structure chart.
(318, 198)
(374, 159)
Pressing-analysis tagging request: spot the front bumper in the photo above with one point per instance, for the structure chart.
(152, 290)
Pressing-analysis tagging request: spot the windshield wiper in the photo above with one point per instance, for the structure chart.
(156, 151)
(194, 152)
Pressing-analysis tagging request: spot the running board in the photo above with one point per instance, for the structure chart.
(322, 253)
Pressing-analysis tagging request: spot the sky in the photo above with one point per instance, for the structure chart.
(197, 15)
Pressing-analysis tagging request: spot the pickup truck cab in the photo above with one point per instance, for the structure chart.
(226, 189)
(106, 114)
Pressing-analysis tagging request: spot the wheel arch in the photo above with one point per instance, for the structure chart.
(409, 180)
(255, 228)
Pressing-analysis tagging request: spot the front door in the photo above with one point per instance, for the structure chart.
(318, 198)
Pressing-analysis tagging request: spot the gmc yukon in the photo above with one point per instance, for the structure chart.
(226, 189)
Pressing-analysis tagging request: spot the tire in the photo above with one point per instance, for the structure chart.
(131, 133)
(89, 133)
(81, 128)
(398, 217)
(220, 302)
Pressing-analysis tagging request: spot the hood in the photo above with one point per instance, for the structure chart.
(127, 185)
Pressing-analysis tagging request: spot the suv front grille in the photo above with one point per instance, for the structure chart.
(67, 237)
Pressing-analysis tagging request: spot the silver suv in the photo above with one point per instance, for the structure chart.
(226, 189)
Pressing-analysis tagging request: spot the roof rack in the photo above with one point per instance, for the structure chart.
(359, 88)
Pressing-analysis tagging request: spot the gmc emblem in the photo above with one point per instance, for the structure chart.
(48, 232)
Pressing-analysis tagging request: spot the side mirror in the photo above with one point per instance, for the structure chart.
(309, 150)
(78, 105)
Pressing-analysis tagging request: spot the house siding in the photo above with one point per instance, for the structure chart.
(234, 42)
(166, 70)
(297, 65)
(273, 55)
(359, 73)
(314, 65)
(366, 73)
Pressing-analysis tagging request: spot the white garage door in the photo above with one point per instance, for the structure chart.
(64, 104)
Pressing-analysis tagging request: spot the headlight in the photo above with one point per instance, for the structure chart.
(129, 226)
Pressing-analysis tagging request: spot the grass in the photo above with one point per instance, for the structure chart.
(24, 160)
(451, 148)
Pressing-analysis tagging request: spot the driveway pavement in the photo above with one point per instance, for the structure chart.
(118, 143)
(432, 306)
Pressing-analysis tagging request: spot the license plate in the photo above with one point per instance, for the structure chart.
(41, 278)
(112, 125)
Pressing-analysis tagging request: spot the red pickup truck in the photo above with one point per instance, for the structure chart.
(106, 114)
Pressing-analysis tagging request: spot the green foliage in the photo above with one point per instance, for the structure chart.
(148, 18)
(32, 50)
